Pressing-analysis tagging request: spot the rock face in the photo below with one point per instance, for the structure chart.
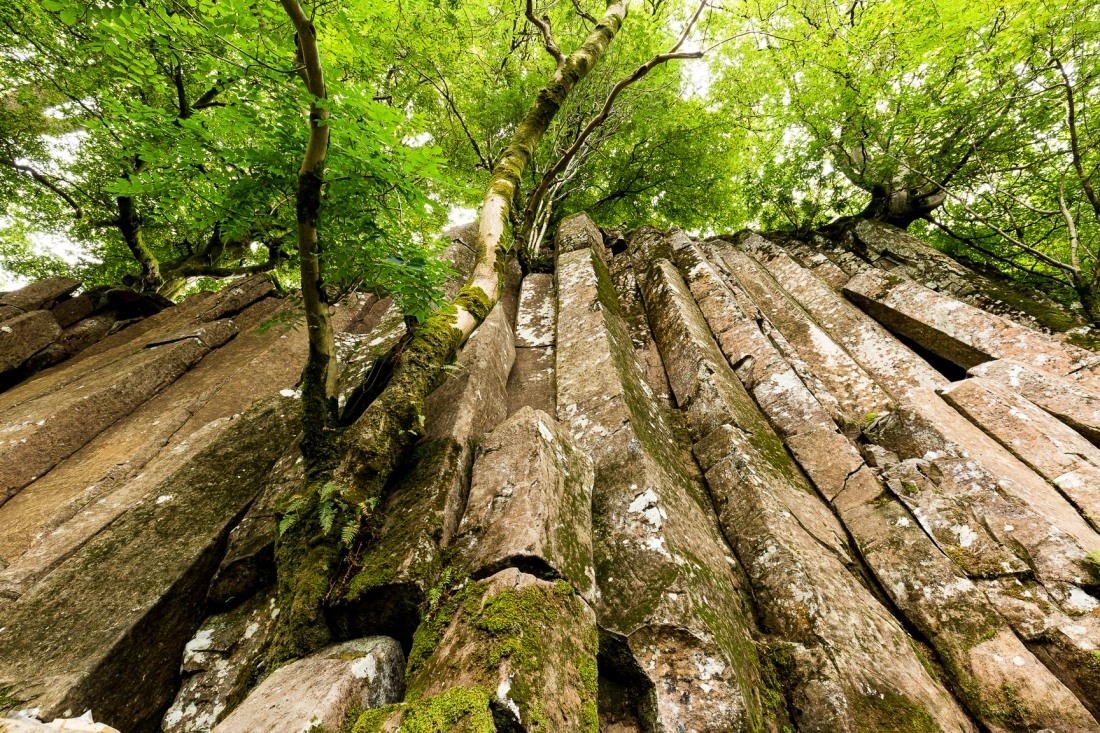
(321, 689)
(840, 485)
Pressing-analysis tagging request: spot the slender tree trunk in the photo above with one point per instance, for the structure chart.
(319, 404)
(1085, 287)
(309, 561)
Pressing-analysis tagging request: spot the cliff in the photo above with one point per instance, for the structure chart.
(741, 484)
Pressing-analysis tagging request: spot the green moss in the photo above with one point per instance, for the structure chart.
(462, 598)
(924, 660)
(8, 699)
(1093, 558)
(475, 301)
(889, 712)
(458, 710)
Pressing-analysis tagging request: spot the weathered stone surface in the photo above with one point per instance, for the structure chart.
(538, 316)
(220, 663)
(9, 311)
(97, 506)
(23, 336)
(1065, 399)
(855, 392)
(973, 488)
(1000, 680)
(1049, 447)
(532, 382)
(512, 649)
(934, 596)
(39, 294)
(237, 296)
(69, 311)
(892, 365)
(423, 508)
(668, 588)
(579, 232)
(46, 430)
(320, 690)
(959, 332)
(32, 725)
(530, 504)
(847, 653)
(105, 629)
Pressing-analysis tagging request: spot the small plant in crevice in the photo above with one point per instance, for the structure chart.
(331, 504)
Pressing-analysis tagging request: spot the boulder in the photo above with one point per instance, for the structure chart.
(318, 691)
(23, 336)
(105, 630)
(512, 652)
(39, 294)
(220, 663)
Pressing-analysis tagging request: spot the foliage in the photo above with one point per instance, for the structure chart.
(187, 115)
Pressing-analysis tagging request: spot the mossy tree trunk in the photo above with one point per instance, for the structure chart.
(310, 559)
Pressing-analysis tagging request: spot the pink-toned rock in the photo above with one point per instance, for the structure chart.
(1048, 446)
(856, 393)
(957, 331)
(791, 545)
(978, 487)
(530, 503)
(889, 362)
(44, 431)
(578, 232)
(1066, 399)
(105, 629)
(318, 691)
(667, 594)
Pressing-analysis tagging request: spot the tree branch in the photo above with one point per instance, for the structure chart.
(536, 197)
(46, 182)
(543, 24)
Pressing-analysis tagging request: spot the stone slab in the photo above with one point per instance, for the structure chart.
(39, 294)
(530, 504)
(105, 630)
(318, 691)
(25, 335)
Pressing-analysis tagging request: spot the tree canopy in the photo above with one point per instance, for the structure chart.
(159, 141)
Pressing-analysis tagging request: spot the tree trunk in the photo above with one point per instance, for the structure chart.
(309, 560)
(129, 223)
(901, 206)
(319, 405)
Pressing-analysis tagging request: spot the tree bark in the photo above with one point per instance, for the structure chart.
(319, 404)
(309, 561)
(901, 206)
